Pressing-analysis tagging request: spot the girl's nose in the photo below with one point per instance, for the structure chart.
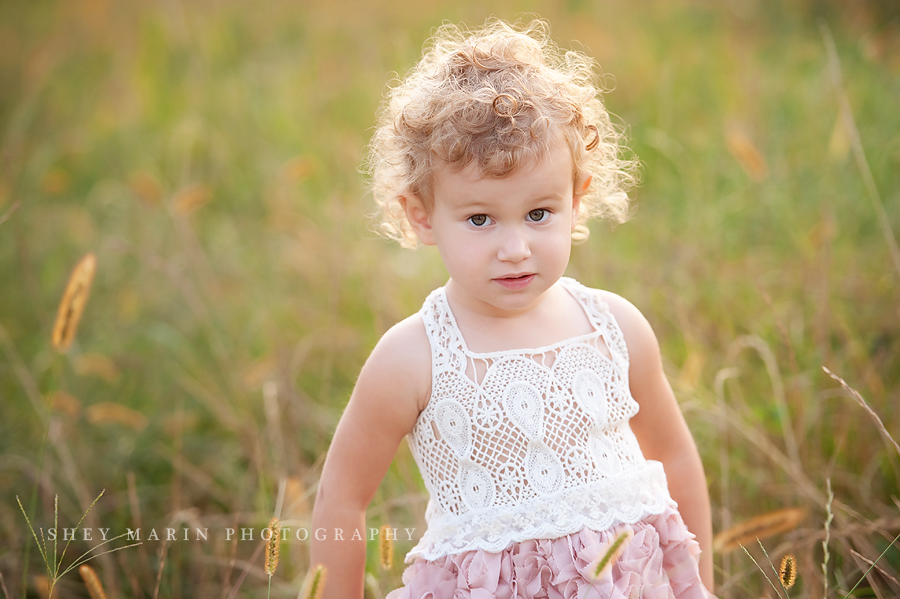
(514, 247)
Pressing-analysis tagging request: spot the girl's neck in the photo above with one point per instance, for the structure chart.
(555, 317)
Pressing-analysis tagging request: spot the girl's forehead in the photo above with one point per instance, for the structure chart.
(555, 154)
(545, 177)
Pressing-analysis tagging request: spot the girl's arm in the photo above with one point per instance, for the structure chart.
(389, 394)
(661, 430)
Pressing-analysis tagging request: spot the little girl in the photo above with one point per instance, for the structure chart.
(536, 408)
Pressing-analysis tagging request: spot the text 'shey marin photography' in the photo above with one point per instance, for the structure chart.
(230, 534)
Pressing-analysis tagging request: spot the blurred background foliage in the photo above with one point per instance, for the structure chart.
(207, 153)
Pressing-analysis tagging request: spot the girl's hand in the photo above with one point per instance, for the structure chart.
(393, 387)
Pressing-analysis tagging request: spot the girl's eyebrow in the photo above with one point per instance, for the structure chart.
(489, 203)
(475, 204)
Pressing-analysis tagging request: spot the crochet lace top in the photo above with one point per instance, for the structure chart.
(531, 443)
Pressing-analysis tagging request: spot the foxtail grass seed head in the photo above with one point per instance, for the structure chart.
(788, 571)
(92, 582)
(386, 547)
(73, 301)
(604, 564)
(316, 583)
(760, 527)
(273, 546)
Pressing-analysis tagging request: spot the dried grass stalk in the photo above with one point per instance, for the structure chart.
(44, 587)
(273, 546)
(760, 527)
(92, 582)
(73, 301)
(746, 153)
(94, 364)
(859, 556)
(109, 412)
(5, 218)
(315, 584)
(829, 517)
(605, 563)
(386, 547)
(865, 406)
(64, 402)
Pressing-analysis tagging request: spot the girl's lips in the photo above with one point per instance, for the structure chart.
(516, 282)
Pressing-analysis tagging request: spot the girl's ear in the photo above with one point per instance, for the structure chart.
(419, 217)
(581, 188)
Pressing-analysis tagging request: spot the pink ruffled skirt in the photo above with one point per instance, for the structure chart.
(659, 562)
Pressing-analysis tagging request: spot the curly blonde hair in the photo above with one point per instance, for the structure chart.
(496, 96)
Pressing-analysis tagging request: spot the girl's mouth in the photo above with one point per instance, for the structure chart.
(515, 282)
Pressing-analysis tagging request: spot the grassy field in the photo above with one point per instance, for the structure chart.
(207, 154)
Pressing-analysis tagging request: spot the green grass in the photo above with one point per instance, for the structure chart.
(108, 113)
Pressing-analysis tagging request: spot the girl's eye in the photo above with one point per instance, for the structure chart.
(537, 215)
(479, 220)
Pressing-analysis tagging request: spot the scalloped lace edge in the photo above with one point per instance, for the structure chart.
(642, 493)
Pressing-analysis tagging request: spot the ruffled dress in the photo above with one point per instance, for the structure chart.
(534, 474)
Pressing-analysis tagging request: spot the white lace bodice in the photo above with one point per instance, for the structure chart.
(532, 443)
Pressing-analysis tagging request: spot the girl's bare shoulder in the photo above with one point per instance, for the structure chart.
(401, 360)
(639, 336)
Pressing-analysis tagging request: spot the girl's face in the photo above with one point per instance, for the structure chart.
(504, 241)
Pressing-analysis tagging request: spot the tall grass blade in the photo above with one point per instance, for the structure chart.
(837, 78)
(776, 572)
(34, 534)
(829, 516)
(760, 568)
(77, 526)
(86, 557)
(866, 573)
